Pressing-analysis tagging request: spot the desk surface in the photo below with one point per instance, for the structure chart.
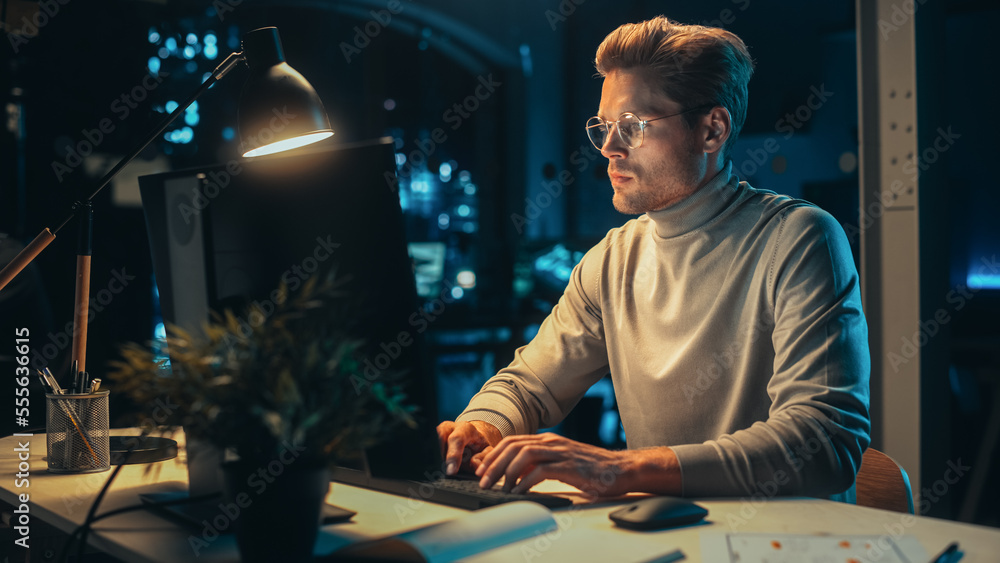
(585, 533)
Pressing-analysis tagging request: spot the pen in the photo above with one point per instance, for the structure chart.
(72, 377)
(946, 555)
(52, 381)
(45, 382)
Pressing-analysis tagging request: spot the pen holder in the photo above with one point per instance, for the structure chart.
(78, 433)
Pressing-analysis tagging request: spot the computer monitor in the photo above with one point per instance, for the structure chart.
(224, 235)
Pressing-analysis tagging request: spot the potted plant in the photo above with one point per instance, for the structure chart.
(280, 387)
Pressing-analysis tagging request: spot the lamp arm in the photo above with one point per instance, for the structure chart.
(36, 246)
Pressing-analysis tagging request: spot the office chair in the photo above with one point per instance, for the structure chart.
(882, 483)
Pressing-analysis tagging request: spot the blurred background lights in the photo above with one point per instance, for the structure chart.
(444, 220)
(191, 39)
(420, 185)
(389, 104)
(977, 280)
(444, 171)
(211, 39)
(848, 162)
(180, 136)
(457, 292)
(154, 65)
(171, 106)
(466, 279)
(463, 210)
(154, 37)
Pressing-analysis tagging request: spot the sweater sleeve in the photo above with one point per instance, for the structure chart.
(818, 424)
(550, 374)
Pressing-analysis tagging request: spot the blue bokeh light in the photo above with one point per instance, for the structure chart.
(976, 280)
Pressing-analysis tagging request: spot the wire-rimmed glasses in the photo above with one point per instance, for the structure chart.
(630, 128)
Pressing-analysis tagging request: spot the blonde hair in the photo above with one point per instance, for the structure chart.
(694, 65)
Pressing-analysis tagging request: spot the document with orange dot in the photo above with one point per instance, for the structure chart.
(805, 548)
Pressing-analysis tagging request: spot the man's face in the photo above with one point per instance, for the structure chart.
(668, 166)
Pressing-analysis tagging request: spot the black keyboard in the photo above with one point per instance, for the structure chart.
(460, 492)
(495, 495)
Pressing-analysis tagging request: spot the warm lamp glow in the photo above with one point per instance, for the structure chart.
(288, 144)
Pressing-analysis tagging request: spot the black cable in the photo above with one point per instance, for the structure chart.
(84, 528)
(64, 553)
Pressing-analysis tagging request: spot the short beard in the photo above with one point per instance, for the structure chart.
(635, 203)
(638, 202)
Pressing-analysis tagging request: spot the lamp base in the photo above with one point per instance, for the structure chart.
(143, 450)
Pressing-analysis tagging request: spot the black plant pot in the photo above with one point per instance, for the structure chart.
(279, 509)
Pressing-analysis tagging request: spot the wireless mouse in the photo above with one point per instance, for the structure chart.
(657, 513)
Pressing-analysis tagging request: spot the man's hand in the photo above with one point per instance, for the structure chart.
(463, 444)
(526, 460)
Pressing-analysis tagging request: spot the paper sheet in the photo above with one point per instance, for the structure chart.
(802, 548)
(455, 539)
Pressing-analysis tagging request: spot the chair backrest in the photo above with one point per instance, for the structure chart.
(882, 483)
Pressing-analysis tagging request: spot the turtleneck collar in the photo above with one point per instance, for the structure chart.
(698, 208)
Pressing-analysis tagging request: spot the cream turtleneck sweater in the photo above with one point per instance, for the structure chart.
(732, 327)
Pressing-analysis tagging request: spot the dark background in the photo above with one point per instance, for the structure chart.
(502, 213)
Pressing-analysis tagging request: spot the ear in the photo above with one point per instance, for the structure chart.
(718, 126)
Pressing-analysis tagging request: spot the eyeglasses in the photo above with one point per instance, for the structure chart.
(630, 128)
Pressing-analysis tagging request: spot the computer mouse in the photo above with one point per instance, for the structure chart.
(657, 513)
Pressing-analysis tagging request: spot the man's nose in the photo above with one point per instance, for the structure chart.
(613, 144)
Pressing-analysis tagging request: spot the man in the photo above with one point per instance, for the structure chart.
(729, 317)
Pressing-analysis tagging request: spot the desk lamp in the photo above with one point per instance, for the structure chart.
(278, 111)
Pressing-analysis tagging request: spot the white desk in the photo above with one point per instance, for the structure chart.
(585, 533)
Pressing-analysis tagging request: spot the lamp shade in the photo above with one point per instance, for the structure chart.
(278, 110)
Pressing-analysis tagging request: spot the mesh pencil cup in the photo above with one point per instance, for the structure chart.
(78, 433)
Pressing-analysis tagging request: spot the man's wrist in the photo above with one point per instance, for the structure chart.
(490, 432)
(654, 470)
